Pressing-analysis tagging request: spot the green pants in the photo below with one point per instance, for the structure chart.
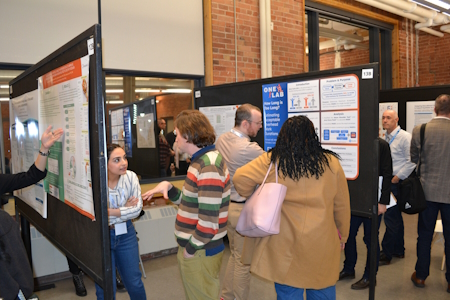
(200, 275)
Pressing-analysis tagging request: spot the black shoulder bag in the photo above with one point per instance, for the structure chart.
(411, 198)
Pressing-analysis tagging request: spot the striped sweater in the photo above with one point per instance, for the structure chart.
(203, 203)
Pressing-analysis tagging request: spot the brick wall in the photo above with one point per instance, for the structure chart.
(5, 119)
(287, 39)
(434, 59)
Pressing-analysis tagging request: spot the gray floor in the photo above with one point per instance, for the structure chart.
(393, 281)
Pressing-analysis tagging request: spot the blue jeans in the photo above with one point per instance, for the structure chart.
(393, 240)
(425, 229)
(350, 247)
(125, 255)
(286, 292)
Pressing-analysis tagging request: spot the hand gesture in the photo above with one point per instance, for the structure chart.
(49, 137)
(163, 188)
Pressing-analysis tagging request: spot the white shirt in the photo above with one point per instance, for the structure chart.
(401, 159)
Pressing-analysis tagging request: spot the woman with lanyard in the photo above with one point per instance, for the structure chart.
(125, 204)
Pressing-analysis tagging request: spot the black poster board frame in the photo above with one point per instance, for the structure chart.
(367, 181)
(144, 161)
(85, 242)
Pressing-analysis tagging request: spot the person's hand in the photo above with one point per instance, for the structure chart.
(132, 201)
(381, 208)
(163, 188)
(49, 137)
(395, 179)
(342, 246)
(187, 255)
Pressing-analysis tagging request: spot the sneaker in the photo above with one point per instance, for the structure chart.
(80, 289)
(119, 284)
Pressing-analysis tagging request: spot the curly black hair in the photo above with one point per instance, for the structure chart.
(298, 151)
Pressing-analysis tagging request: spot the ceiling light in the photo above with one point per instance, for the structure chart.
(114, 91)
(439, 3)
(114, 102)
(4, 99)
(4, 86)
(147, 91)
(177, 91)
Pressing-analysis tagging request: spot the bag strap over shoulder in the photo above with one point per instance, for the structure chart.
(268, 171)
(422, 137)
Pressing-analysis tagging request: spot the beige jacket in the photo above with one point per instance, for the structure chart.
(306, 253)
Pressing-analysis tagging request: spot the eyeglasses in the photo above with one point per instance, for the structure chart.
(257, 123)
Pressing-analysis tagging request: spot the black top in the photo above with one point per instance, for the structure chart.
(12, 182)
(385, 170)
(15, 270)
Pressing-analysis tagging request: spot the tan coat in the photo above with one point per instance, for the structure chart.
(306, 253)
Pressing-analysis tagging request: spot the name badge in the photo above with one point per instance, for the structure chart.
(121, 228)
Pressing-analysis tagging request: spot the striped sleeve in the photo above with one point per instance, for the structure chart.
(131, 187)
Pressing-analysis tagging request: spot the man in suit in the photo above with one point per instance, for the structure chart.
(434, 176)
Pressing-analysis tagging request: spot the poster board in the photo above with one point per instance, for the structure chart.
(282, 97)
(83, 240)
(133, 126)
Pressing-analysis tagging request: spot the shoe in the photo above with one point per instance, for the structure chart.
(119, 283)
(361, 284)
(399, 255)
(384, 260)
(344, 275)
(448, 288)
(420, 283)
(80, 289)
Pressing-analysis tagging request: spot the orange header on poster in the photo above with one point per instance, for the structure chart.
(64, 73)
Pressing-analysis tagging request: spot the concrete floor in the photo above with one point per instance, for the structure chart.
(393, 281)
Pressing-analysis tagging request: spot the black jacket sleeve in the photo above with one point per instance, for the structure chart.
(12, 182)
(385, 170)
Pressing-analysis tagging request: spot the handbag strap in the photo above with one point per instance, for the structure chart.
(267, 174)
(422, 137)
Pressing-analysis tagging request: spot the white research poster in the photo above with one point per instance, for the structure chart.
(418, 112)
(303, 96)
(340, 92)
(64, 103)
(24, 131)
(221, 117)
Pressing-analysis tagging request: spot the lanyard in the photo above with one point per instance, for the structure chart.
(238, 133)
(392, 139)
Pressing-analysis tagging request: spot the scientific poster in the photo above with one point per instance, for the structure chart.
(25, 144)
(145, 128)
(332, 105)
(63, 103)
(419, 112)
(221, 117)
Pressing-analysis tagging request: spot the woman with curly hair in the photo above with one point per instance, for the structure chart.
(306, 253)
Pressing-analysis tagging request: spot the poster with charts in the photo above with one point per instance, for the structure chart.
(25, 144)
(64, 103)
(418, 112)
(220, 117)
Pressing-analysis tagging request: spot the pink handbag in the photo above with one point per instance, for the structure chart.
(261, 214)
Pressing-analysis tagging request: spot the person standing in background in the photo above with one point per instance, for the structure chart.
(165, 152)
(434, 176)
(237, 150)
(393, 243)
